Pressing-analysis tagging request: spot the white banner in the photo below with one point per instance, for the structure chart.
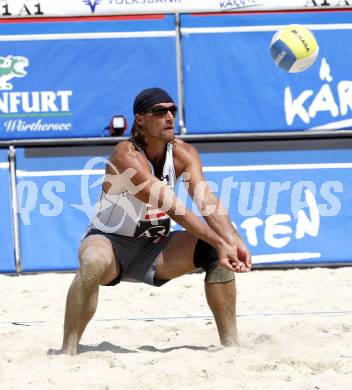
(69, 8)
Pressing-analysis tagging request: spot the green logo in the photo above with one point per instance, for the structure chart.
(11, 67)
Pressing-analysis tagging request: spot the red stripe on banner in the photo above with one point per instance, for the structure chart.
(224, 13)
(84, 18)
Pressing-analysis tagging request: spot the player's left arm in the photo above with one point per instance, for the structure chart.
(209, 204)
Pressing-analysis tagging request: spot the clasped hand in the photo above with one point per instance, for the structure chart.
(235, 257)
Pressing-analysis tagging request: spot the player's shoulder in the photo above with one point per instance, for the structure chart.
(126, 154)
(184, 150)
(185, 156)
(123, 149)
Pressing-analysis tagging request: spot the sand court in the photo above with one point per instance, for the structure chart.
(295, 328)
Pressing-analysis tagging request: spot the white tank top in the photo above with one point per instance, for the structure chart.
(124, 214)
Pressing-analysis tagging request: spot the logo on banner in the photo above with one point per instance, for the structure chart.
(21, 8)
(11, 67)
(328, 3)
(92, 4)
(334, 101)
(17, 107)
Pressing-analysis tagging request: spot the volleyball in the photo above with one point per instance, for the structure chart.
(294, 48)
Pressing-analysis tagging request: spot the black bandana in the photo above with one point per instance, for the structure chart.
(148, 98)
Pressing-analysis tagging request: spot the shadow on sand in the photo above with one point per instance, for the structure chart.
(108, 347)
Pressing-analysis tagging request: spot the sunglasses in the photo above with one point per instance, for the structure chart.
(161, 111)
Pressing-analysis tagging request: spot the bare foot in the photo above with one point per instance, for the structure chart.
(52, 352)
(230, 342)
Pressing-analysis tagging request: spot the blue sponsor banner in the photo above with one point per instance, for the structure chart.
(288, 211)
(7, 258)
(67, 80)
(56, 201)
(229, 73)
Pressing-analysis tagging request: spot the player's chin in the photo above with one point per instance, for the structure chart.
(169, 134)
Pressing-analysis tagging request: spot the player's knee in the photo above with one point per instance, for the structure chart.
(205, 257)
(93, 260)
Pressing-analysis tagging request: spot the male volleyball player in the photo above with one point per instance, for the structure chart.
(129, 239)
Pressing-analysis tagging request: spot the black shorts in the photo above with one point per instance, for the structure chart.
(136, 256)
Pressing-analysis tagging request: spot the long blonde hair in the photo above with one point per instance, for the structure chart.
(137, 133)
